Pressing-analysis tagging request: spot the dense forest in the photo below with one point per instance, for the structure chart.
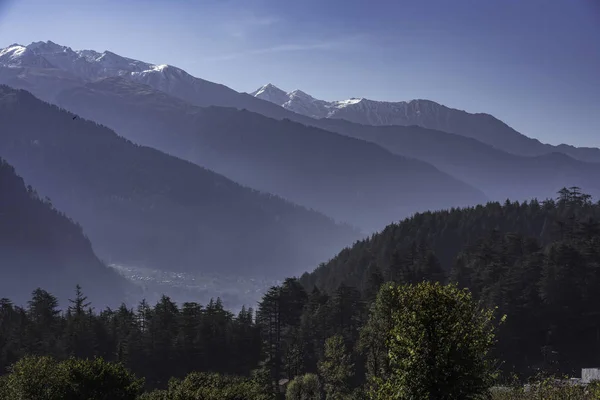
(39, 244)
(532, 270)
(142, 207)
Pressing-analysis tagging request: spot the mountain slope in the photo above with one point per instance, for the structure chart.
(348, 179)
(41, 247)
(142, 207)
(500, 175)
(425, 113)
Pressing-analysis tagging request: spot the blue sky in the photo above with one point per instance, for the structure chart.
(535, 64)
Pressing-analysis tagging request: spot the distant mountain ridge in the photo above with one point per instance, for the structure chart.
(425, 113)
(142, 207)
(499, 174)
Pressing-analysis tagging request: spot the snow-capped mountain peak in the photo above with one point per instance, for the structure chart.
(301, 95)
(50, 68)
(88, 65)
(272, 93)
(17, 55)
(12, 52)
(355, 109)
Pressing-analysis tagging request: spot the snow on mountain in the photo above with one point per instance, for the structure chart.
(360, 110)
(47, 68)
(88, 65)
(271, 93)
(20, 56)
(40, 61)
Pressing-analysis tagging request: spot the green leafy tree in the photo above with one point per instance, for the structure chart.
(305, 387)
(43, 378)
(336, 369)
(373, 343)
(99, 380)
(439, 344)
(38, 378)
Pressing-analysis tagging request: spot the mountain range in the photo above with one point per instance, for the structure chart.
(30, 67)
(472, 154)
(425, 113)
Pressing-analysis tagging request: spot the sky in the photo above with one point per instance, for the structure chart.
(535, 64)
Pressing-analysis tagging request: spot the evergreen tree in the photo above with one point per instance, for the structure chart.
(80, 341)
(43, 336)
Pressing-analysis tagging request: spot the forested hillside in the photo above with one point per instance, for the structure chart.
(143, 207)
(537, 261)
(41, 246)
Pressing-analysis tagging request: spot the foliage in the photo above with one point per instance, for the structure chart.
(305, 387)
(154, 342)
(439, 344)
(97, 379)
(35, 378)
(43, 378)
(208, 386)
(336, 369)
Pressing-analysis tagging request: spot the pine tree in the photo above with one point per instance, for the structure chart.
(80, 341)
